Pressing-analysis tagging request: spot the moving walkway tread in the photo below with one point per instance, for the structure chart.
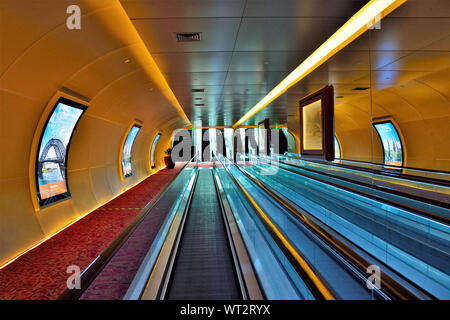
(203, 267)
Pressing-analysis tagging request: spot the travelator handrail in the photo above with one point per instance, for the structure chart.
(383, 169)
(356, 257)
(158, 282)
(159, 292)
(411, 209)
(99, 263)
(315, 284)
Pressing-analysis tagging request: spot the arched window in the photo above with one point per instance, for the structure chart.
(152, 151)
(392, 145)
(51, 160)
(126, 151)
(337, 148)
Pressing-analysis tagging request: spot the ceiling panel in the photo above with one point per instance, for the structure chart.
(423, 8)
(245, 89)
(285, 34)
(303, 8)
(267, 60)
(193, 61)
(241, 97)
(195, 78)
(403, 34)
(159, 35)
(141, 9)
(349, 61)
(249, 46)
(420, 61)
(248, 77)
(208, 89)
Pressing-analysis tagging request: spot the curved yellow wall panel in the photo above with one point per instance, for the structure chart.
(100, 184)
(30, 26)
(39, 57)
(421, 110)
(422, 113)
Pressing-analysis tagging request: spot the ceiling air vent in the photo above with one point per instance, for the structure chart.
(198, 90)
(360, 88)
(190, 36)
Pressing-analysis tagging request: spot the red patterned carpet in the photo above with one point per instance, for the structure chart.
(206, 164)
(41, 272)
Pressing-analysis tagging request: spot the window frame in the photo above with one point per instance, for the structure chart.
(339, 147)
(153, 149)
(398, 132)
(326, 96)
(43, 203)
(134, 124)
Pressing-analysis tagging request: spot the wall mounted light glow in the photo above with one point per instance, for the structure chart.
(363, 20)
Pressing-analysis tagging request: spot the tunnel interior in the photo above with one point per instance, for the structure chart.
(120, 114)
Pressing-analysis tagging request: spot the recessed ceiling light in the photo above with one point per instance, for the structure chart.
(127, 61)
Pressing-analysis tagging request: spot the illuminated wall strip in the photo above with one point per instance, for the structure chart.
(363, 20)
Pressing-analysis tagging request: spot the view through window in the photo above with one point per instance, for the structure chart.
(392, 146)
(152, 151)
(51, 164)
(337, 148)
(126, 152)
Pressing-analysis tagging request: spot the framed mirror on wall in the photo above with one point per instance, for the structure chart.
(317, 124)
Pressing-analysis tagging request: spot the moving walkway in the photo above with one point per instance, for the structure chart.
(205, 256)
(425, 190)
(203, 263)
(414, 245)
(228, 236)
